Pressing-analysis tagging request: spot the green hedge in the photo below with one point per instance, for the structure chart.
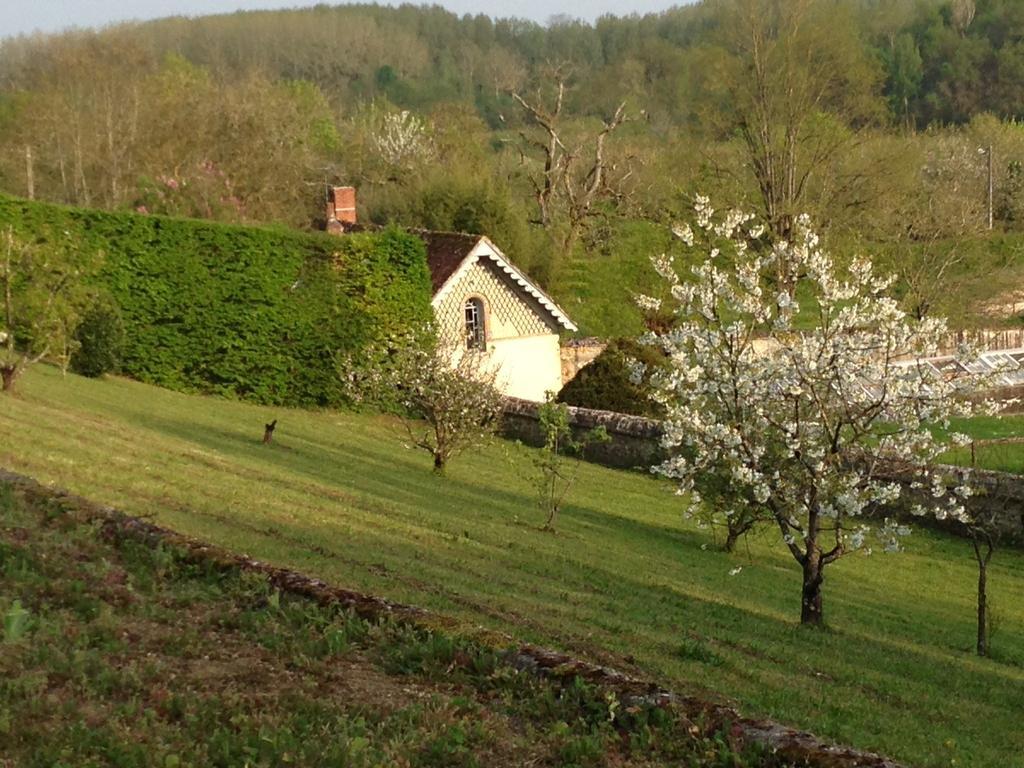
(250, 312)
(606, 383)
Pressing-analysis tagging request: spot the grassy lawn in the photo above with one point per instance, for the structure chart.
(624, 579)
(1004, 457)
(114, 652)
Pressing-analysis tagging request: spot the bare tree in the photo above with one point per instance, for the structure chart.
(988, 529)
(574, 174)
(962, 12)
(558, 461)
(984, 536)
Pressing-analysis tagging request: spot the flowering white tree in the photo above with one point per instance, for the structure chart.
(794, 386)
(447, 400)
(401, 139)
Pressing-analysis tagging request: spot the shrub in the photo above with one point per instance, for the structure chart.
(100, 338)
(606, 383)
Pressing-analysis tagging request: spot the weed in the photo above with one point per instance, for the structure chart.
(695, 649)
(17, 622)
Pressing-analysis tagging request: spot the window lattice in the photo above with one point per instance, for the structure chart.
(509, 313)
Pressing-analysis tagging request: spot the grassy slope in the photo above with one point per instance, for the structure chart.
(149, 659)
(624, 579)
(597, 290)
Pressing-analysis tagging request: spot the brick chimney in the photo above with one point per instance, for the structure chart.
(341, 209)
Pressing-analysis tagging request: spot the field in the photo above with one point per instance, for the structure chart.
(999, 443)
(115, 652)
(623, 580)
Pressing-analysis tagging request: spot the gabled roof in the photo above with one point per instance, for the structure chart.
(445, 252)
(449, 254)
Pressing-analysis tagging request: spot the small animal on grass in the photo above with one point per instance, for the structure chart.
(268, 431)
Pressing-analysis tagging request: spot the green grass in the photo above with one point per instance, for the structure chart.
(1002, 457)
(624, 580)
(115, 652)
(598, 289)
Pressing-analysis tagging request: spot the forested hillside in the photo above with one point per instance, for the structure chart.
(881, 118)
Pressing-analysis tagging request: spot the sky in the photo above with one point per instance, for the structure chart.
(26, 16)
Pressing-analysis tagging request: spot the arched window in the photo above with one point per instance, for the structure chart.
(476, 334)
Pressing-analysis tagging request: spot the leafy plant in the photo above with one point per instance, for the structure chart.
(17, 622)
(101, 341)
(243, 311)
(610, 382)
(42, 291)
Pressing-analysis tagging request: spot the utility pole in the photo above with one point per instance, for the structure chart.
(29, 173)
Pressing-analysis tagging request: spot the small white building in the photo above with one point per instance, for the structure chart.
(484, 304)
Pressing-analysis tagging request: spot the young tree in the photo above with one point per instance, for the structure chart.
(788, 394)
(43, 297)
(984, 534)
(988, 529)
(557, 472)
(446, 398)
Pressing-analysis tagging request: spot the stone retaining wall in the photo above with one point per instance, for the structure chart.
(634, 441)
(798, 747)
(996, 494)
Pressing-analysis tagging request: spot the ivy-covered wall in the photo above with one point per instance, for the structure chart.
(250, 312)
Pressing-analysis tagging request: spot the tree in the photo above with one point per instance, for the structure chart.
(787, 397)
(446, 399)
(557, 472)
(608, 383)
(961, 14)
(906, 71)
(984, 533)
(792, 81)
(100, 339)
(574, 175)
(43, 296)
(988, 529)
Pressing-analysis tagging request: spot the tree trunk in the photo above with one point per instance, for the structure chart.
(810, 603)
(736, 528)
(730, 540)
(982, 608)
(438, 463)
(9, 374)
(982, 538)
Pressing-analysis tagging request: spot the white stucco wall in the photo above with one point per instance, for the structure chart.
(522, 339)
(528, 366)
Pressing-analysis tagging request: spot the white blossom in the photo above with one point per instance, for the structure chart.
(401, 139)
(685, 233)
